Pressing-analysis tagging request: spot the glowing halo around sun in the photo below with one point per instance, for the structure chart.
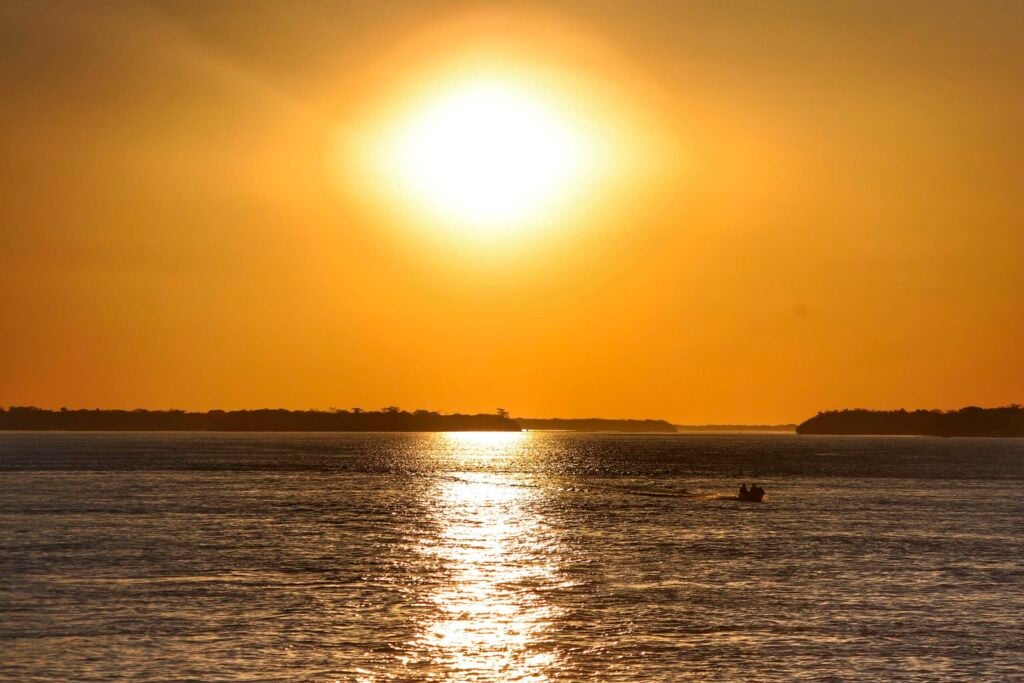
(488, 153)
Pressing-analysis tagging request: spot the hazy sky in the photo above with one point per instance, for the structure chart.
(823, 208)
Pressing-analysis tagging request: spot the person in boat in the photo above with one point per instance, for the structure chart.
(754, 493)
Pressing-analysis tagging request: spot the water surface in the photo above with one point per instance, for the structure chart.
(535, 556)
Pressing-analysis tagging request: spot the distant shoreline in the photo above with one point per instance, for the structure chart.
(1007, 421)
(267, 420)
(279, 420)
(762, 429)
(595, 424)
(971, 421)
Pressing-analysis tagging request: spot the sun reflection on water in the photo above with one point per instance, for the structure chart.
(489, 449)
(490, 613)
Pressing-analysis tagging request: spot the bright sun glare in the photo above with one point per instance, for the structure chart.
(487, 154)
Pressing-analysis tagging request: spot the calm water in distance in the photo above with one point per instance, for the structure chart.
(509, 557)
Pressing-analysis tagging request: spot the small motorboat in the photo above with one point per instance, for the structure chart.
(753, 496)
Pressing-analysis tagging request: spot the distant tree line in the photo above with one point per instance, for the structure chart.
(970, 421)
(736, 428)
(391, 419)
(596, 425)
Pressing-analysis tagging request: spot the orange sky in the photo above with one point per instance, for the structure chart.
(821, 207)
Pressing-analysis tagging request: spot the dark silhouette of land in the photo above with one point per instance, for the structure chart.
(970, 421)
(387, 420)
(594, 424)
(786, 428)
(278, 420)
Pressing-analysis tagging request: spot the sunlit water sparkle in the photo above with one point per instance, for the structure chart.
(529, 557)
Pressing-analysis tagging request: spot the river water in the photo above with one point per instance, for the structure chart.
(498, 556)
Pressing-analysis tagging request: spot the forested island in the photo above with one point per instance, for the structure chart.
(390, 419)
(270, 420)
(595, 424)
(970, 421)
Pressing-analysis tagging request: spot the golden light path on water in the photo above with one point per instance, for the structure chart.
(490, 613)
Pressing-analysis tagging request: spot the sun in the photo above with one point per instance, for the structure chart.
(487, 154)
